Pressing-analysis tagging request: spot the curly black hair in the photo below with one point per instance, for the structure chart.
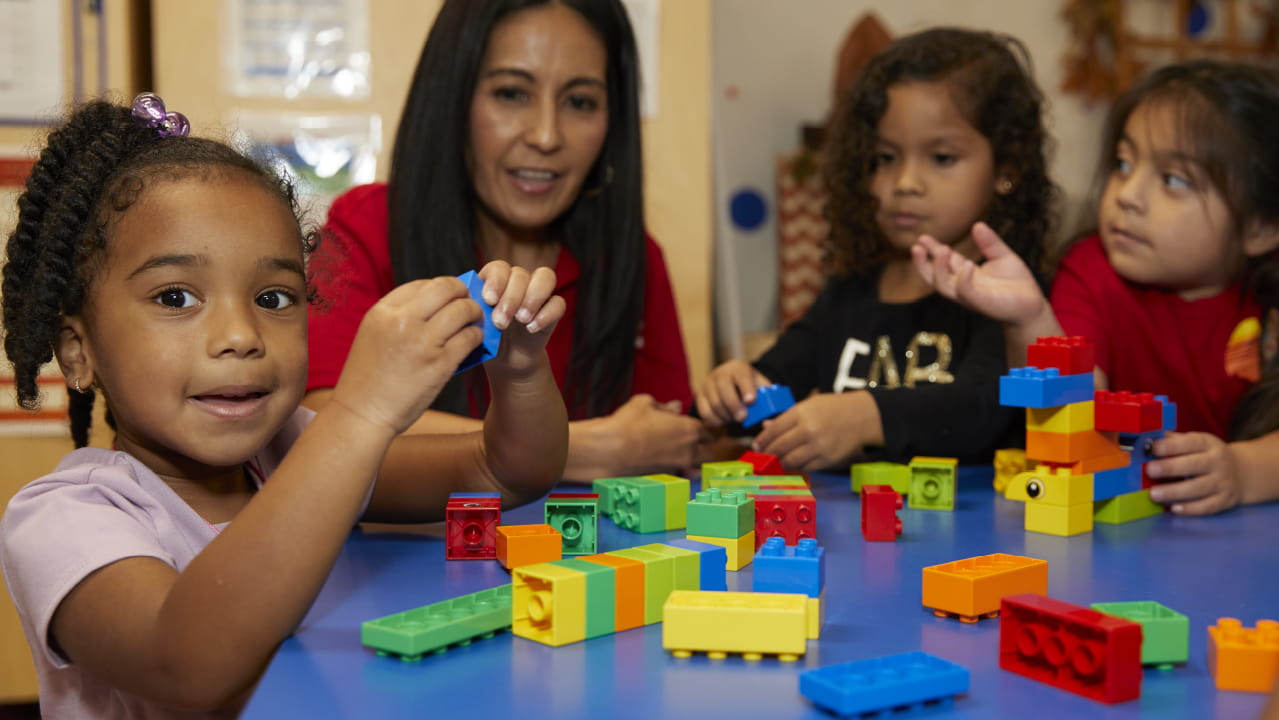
(93, 168)
(990, 79)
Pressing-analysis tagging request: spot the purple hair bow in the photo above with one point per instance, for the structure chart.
(148, 110)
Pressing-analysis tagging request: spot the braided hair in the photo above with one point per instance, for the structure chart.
(93, 168)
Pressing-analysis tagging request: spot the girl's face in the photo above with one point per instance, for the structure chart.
(539, 117)
(934, 172)
(195, 326)
(1162, 221)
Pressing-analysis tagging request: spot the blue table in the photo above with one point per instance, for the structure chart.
(1203, 567)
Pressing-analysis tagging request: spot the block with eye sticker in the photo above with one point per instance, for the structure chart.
(1050, 486)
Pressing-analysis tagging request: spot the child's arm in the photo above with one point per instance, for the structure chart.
(524, 441)
(200, 638)
(1217, 475)
(727, 391)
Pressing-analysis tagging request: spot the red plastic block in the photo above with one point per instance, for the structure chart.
(1071, 355)
(880, 504)
(790, 517)
(1127, 412)
(1070, 647)
(763, 463)
(471, 528)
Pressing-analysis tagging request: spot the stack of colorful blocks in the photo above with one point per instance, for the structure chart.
(784, 504)
(726, 519)
(801, 569)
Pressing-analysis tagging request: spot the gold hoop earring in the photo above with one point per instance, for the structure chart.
(599, 189)
(76, 384)
(1004, 186)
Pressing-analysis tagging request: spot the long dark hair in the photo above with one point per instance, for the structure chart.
(432, 202)
(990, 80)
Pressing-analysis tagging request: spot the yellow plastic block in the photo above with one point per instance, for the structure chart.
(1241, 658)
(1063, 520)
(741, 551)
(972, 588)
(1008, 463)
(677, 497)
(548, 604)
(755, 482)
(752, 624)
(728, 468)
(1050, 486)
(1126, 508)
(816, 615)
(1075, 417)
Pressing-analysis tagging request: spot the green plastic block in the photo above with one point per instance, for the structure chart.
(603, 487)
(755, 482)
(677, 491)
(1165, 633)
(639, 505)
(881, 473)
(688, 564)
(577, 519)
(1126, 508)
(659, 579)
(932, 485)
(720, 513)
(727, 469)
(601, 603)
(435, 627)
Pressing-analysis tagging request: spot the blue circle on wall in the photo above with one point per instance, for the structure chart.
(747, 208)
(1198, 19)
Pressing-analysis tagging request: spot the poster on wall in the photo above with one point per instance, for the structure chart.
(31, 60)
(297, 48)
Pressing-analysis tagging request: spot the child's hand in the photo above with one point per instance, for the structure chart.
(526, 299)
(1002, 288)
(406, 349)
(727, 391)
(820, 431)
(1211, 483)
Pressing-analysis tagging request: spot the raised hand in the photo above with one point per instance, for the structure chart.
(1002, 287)
(524, 309)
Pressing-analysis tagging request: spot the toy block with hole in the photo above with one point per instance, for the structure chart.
(972, 589)
(738, 551)
(1030, 387)
(1070, 355)
(1068, 448)
(721, 513)
(712, 561)
(1165, 633)
(519, 545)
(932, 483)
(895, 475)
(659, 579)
(439, 626)
(548, 604)
(891, 685)
(628, 589)
(1051, 486)
(764, 463)
(677, 494)
(880, 522)
(1126, 508)
(1243, 658)
(752, 624)
(1074, 648)
(791, 517)
(470, 522)
(492, 339)
(781, 568)
(576, 517)
(1072, 418)
(770, 401)
(601, 600)
(1128, 412)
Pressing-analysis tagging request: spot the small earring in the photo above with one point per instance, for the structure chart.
(1004, 186)
(76, 384)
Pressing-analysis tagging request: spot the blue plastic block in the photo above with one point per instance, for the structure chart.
(713, 559)
(780, 568)
(1170, 412)
(1113, 483)
(884, 683)
(770, 401)
(1140, 446)
(487, 349)
(1030, 387)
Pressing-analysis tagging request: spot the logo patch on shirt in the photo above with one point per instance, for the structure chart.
(1243, 350)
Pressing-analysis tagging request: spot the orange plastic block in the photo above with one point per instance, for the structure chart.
(520, 545)
(972, 588)
(1241, 658)
(1096, 463)
(628, 592)
(1070, 447)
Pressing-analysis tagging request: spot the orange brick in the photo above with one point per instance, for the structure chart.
(1069, 448)
(1241, 658)
(628, 590)
(972, 588)
(520, 545)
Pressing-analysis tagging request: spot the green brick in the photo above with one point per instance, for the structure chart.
(754, 482)
(932, 485)
(433, 628)
(600, 600)
(881, 473)
(730, 468)
(1165, 633)
(639, 504)
(720, 513)
(603, 487)
(659, 579)
(577, 519)
(1126, 508)
(688, 564)
(677, 491)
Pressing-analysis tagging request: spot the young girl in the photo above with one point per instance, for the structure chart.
(941, 130)
(1167, 288)
(167, 273)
